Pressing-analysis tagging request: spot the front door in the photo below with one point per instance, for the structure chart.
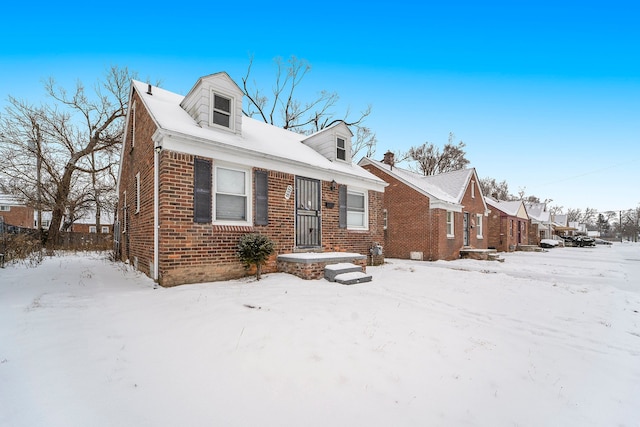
(465, 228)
(307, 212)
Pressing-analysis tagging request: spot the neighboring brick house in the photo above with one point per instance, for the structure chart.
(541, 225)
(430, 217)
(195, 176)
(15, 213)
(87, 223)
(508, 225)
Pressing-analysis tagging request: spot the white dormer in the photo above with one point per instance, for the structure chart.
(215, 101)
(333, 142)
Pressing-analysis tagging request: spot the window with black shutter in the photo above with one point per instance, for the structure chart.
(202, 190)
(262, 198)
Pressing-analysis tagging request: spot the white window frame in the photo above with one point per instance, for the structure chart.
(473, 190)
(92, 229)
(479, 226)
(450, 224)
(231, 111)
(365, 215)
(105, 229)
(5, 208)
(248, 195)
(138, 192)
(385, 219)
(341, 149)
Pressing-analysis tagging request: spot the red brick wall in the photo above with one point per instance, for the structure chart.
(139, 159)
(20, 216)
(503, 231)
(192, 252)
(84, 228)
(414, 227)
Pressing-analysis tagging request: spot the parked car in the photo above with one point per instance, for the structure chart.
(580, 241)
(549, 243)
(602, 241)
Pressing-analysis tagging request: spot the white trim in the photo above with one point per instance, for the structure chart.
(479, 228)
(453, 224)
(156, 210)
(232, 154)
(248, 194)
(344, 149)
(232, 103)
(138, 192)
(365, 215)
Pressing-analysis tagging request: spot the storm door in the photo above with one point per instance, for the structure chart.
(465, 229)
(307, 212)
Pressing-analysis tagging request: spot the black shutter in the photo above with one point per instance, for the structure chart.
(202, 190)
(262, 198)
(342, 205)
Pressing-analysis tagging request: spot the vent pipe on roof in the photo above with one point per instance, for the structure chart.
(149, 90)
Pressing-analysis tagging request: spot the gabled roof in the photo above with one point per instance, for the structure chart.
(9, 200)
(513, 208)
(442, 189)
(260, 144)
(538, 212)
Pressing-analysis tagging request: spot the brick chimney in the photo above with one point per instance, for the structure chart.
(388, 158)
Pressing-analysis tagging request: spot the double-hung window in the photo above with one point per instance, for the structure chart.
(221, 111)
(341, 149)
(450, 230)
(479, 226)
(232, 195)
(357, 209)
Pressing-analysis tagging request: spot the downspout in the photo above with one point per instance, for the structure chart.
(156, 222)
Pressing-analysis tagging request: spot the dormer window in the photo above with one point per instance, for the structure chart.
(221, 112)
(341, 149)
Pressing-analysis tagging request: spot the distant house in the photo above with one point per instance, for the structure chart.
(87, 223)
(541, 224)
(196, 175)
(561, 226)
(508, 225)
(14, 213)
(430, 217)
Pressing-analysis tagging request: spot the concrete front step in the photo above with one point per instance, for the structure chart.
(332, 270)
(352, 278)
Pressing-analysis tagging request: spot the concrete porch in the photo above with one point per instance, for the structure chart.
(311, 265)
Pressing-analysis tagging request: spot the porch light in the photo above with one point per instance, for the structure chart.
(334, 185)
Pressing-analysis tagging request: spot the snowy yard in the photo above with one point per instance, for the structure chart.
(543, 339)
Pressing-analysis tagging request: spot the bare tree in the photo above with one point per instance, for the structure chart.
(430, 161)
(498, 190)
(282, 107)
(78, 135)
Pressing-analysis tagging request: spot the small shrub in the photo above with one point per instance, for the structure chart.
(255, 249)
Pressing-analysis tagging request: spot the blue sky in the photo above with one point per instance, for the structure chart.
(545, 95)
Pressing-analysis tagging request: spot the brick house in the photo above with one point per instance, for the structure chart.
(541, 225)
(196, 175)
(15, 213)
(508, 226)
(430, 217)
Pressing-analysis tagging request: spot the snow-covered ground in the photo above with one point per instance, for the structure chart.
(543, 339)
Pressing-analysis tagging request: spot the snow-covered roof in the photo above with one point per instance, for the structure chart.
(510, 207)
(447, 187)
(538, 212)
(260, 144)
(9, 200)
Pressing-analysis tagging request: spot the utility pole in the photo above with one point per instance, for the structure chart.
(39, 178)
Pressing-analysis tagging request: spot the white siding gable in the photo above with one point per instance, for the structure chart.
(324, 141)
(198, 101)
